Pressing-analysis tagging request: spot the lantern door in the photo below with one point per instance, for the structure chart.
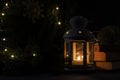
(78, 53)
(78, 57)
(82, 53)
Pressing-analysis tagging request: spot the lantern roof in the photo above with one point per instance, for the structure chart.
(78, 32)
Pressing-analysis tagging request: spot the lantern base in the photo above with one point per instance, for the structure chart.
(79, 68)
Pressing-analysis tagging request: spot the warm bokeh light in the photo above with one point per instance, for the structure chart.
(78, 58)
(3, 14)
(34, 54)
(6, 4)
(4, 39)
(59, 23)
(12, 56)
(5, 49)
(57, 8)
(82, 57)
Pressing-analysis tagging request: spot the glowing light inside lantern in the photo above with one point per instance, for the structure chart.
(78, 58)
(82, 57)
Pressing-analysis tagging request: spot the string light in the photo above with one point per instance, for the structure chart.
(5, 50)
(12, 56)
(6, 4)
(34, 54)
(57, 8)
(59, 23)
(3, 14)
(4, 39)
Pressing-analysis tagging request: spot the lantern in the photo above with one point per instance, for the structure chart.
(78, 45)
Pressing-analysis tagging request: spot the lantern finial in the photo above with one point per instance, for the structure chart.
(78, 22)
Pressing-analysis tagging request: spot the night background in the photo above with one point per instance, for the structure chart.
(31, 31)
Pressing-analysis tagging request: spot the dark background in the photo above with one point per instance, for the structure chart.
(43, 36)
(100, 13)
